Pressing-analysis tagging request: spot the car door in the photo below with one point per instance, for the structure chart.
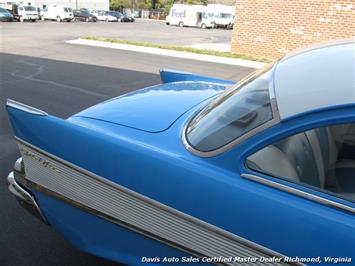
(101, 15)
(44, 13)
(52, 13)
(80, 15)
(20, 11)
(313, 170)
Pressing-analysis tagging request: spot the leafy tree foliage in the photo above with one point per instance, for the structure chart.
(152, 4)
(119, 4)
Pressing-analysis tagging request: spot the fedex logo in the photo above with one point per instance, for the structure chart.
(178, 14)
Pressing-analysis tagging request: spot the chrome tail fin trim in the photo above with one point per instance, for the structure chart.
(24, 107)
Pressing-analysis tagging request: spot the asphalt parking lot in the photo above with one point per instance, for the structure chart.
(141, 30)
(38, 68)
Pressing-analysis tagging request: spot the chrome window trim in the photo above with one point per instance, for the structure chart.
(249, 247)
(298, 192)
(24, 107)
(229, 145)
(275, 120)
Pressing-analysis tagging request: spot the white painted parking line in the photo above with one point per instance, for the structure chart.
(178, 54)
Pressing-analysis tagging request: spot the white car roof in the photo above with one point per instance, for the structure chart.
(316, 77)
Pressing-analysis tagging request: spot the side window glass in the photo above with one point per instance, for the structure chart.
(322, 157)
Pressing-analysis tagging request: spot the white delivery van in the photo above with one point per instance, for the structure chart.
(58, 13)
(190, 15)
(223, 15)
(24, 12)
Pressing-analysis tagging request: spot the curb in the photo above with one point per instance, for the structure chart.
(171, 53)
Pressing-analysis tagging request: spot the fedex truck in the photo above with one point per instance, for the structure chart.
(190, 16)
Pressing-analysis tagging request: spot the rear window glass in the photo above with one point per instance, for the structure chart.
(232, 114)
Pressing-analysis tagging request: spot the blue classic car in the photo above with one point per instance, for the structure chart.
(203, 170)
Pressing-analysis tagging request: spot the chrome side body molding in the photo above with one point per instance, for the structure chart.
(101, 197)
(299, 193)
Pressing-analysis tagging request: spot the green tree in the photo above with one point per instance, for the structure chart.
(167, 6)
(195, 2)
(118, 4)
(151, 4)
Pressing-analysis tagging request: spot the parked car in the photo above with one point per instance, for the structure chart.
(5, 15)
(82, 15)
(58, 13)
(105, 16)
(126, 18)
(223, 15)
(24, 13)
(86, 9)
(224, 21)
(204, 169)
(116, 14)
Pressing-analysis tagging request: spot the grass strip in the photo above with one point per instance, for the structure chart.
(178, 48)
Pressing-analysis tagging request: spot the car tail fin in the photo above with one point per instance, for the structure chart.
(44, 131)
(26, 120)
(62, 139)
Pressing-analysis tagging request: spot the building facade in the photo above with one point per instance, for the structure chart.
(271, 28)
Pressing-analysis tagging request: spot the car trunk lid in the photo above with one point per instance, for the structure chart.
(153, 109)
